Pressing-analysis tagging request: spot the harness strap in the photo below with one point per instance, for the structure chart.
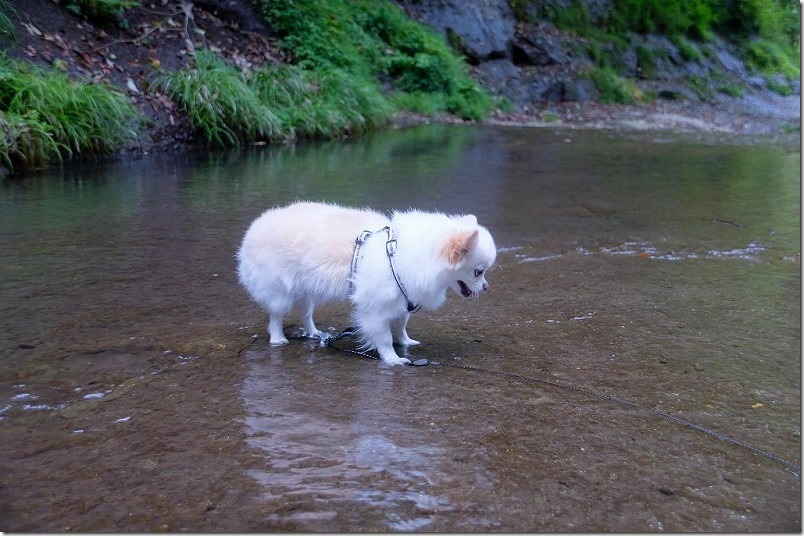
(390, 250)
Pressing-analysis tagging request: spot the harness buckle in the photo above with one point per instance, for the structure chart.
(390, 247)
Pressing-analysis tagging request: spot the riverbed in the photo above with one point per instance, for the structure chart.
(637, 274)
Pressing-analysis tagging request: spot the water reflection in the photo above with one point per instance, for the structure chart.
(340, 443)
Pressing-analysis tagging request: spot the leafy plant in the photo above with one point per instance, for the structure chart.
(375, 42)
(7, 28)
(688, 51)
(646, 61)
(219, 102)
(769, 57)
(319, 104)
(26, 141)
(779, 87)
(45, 112)
(692, 17)
(613, 88)
(229, 107)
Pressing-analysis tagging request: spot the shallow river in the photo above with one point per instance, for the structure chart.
(138, 391)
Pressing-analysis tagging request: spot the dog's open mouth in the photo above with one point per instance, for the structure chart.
(465, 292)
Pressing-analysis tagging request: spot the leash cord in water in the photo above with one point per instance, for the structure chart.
(795, 468)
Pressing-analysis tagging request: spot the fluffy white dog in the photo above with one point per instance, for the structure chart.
(305, 254)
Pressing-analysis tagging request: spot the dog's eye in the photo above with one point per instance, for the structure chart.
(478, 273)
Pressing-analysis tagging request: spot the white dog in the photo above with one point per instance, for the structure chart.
(306, 254)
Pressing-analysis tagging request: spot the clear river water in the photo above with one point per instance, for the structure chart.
(138, 391)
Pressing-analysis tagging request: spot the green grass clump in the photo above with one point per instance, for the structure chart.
(230, 108)
(7, 29)
(688, 50)
(780, 87)
(319, 104)
(769, 57)
(646, 60)
(670, 17)
(79, 118)
(613, 88)
(219, 102)
(26, 141)
(374, 41)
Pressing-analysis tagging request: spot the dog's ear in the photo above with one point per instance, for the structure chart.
(459, 245)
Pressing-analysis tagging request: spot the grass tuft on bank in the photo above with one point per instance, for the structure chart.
(229, 107)
(46, 115)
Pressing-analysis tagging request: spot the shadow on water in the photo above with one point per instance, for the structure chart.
(137, 392)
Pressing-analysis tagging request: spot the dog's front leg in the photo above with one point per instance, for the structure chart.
(400, 333)
(375, 332)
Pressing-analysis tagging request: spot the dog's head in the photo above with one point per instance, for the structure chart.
(470, 253)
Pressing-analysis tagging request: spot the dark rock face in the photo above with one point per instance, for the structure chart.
(531, 64)
(534, 48)
(503, 79)
(599, 10)
(481, 29)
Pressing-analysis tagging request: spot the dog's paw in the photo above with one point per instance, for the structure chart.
(314, 334)
(280, 341)
(396, 360)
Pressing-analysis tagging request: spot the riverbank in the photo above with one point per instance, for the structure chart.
(163, 39)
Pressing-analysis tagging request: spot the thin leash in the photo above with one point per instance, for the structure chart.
(794, 468)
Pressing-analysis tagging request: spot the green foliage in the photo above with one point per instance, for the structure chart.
(774, 20)
(646, 61)
(688, 51)
(767, 31)
(374, 41)
(229, 107)
(780, 87)
(613, 88)
(769, 57)
(574, 17)
(219, 102)
(7, 29)
(26, 141)
(732, 90)
(45, 112)
(692, 17)
(701, 86)
(319, 104)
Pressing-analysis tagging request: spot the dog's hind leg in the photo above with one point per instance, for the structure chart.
(277, 309)
(306, 307)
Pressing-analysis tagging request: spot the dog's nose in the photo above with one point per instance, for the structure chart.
(485, 286)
